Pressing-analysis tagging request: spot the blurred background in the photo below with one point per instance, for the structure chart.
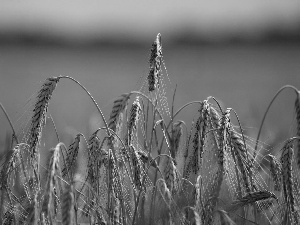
(240, 52)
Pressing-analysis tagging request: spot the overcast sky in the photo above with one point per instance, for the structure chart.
(88, 19)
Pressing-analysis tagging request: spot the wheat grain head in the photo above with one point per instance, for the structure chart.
(276, 172)
(155, 64)
(39, 114)
(288, 183)
(297, 142)
(72, 154)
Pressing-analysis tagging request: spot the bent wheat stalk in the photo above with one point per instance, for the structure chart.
(266, 112)
(10, 123)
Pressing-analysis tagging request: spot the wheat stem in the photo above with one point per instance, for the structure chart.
(91, 97)
(181, 108)
(143, 183)
(266, 112)
(10, 123)
(56, 133)
(211, 97)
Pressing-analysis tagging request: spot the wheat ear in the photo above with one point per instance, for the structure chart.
(191, 154)
(297, 144)
(93, 156)
(137, 167)
(210, 204)
(250, 198)
(155, 64)
(288, 185)
(116, 116)
(276, 172)
(39, 114)
(266, 112)
(176, 137)
(135, 112)
(72, 154)
(50, 204)
(241, 155)
(171, 175)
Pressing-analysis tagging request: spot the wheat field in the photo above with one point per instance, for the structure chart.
(144, 166)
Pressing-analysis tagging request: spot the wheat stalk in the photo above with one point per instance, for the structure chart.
(192, 216)
(198, 196)
(34, 211)
(166, 195)
(67, 207)
(213, 150)
(224, 218)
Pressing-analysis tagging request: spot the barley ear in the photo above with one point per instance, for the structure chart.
(213, 194)
(50, 203)
(176, 137)
(72, 154)
(134, 117)
(93, 156)
(137, 168)
(241, 155)
(39, 114)
(250, 198)
(116, 116)
(297, 141)
(171, 176)
(276, 172)
(288, 183)
(155, 64)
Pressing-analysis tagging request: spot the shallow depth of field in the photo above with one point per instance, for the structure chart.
(172, 128)
(142, 164)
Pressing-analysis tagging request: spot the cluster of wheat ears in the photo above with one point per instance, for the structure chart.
(145, 167)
